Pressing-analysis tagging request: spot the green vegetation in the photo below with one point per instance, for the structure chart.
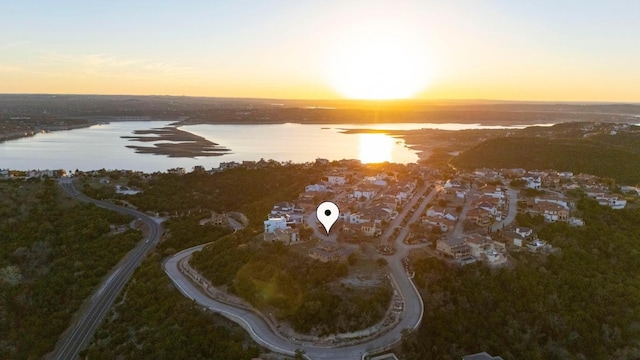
(53, 252)
(581, 303)
(250, 191)
(152, 320)
(588, 156)
(303, 291)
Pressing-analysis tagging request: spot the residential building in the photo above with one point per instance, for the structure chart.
(275, 222)
(336, 179)
(480, 217)
(478, 244)
(455, 248)
(553, 212)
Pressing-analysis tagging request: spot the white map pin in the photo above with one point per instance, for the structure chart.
(327, 213)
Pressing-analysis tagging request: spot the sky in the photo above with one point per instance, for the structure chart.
(502, 50)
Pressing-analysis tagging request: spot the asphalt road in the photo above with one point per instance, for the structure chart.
(263, 334)
(511, 214)
(94, 309)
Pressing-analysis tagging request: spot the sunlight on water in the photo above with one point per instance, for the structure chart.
(375, 148)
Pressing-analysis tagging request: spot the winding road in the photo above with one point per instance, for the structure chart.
(263, 334)
(94, 309)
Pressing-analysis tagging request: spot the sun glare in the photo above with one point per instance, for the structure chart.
(379, 65)
(375, 148)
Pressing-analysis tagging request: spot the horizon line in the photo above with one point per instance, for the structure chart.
(370, 101)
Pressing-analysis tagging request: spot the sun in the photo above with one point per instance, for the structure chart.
(379, 67)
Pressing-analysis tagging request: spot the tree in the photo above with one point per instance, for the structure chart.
(352, 259)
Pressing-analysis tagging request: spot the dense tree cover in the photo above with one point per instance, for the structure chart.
(53, 252)
(152, 320)
(581, 303)
(303, 291)
(185, 231)
(251, 191)
(578, 155)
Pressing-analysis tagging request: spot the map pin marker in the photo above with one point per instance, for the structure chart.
(327, 213)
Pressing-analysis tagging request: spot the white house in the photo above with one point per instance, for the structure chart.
(493, 192)
(525, 232)
(364, 192)
(357, 218)
(275, 222)
(316, 188)
(533, 183)
(612, 201)
(441, 212)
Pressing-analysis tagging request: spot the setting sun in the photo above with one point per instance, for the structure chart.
(379, 63)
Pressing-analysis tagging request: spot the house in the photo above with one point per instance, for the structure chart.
(357, 218)
(611, 200)
(176, 171)
(514, 238)
(441, 212)
(533, 182)
(275, 222)
(366, 192)
(336, 179)
(478, 244)
(480, 217)
(525, 232)
(490, 207)
(287, 236)
(553, 212)
(316, 188)
(371, 228)
(228, 165)
(455, 248)
(445, 225)
(294, 214)
(216, 220)
(378, 180)
(492, 191)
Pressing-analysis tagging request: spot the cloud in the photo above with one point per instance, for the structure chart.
(111, 65)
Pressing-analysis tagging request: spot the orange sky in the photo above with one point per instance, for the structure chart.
(585, 51)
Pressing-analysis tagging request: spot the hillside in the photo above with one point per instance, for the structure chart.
(591, 156)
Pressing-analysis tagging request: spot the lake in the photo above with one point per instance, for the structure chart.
(101, 146)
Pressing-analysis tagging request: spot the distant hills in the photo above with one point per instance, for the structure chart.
(238, 110)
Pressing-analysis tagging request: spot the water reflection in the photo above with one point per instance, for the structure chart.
(375, 148)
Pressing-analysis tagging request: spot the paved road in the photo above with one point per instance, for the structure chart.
(263, 334)
(87, 320)
(459, 228)
(511, 214)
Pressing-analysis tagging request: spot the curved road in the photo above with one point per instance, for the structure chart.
(94, 309)
(261, 332)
